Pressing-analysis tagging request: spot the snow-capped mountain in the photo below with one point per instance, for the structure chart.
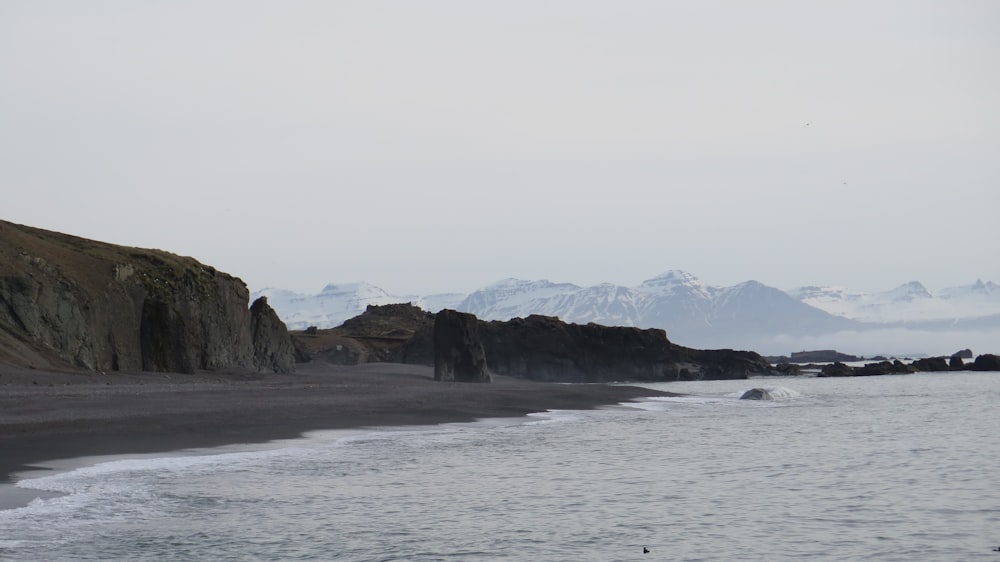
(337, 303)
(910, 302)
(507, 298)
(748, 315)
(692, 312)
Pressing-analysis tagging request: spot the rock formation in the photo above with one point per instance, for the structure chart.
(458, 351)
(395, 333)
(272, 344)
(537, 347)
(986, 362)
(71, 303)
(548, 349)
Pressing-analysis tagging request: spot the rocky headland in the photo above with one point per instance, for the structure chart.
(538, 347)
(68, 303)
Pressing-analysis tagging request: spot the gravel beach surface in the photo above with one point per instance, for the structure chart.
(47, 415)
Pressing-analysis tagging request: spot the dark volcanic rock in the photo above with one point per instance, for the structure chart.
(836, 370)
(821, 356)
(396, 333)
(788, 369)
(537, 347)
(955, 363)
(931, 364)
(545, 348)
(272, 345)
(896, 367)
(548, 349)
(986, 362)
(68, 302)
(458, 351)
(963, 354)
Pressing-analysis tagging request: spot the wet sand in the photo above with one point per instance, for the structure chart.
(47, 416)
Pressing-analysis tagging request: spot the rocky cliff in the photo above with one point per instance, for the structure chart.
(536, 347)
(458, 350)
(546, 348)
(72, 303)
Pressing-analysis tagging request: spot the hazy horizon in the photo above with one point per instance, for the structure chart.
(443, 146)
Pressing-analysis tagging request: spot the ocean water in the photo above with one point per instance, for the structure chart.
(878, 468)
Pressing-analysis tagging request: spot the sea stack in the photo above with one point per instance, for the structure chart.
(458, 351)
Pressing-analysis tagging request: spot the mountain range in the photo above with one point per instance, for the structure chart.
(907, 320)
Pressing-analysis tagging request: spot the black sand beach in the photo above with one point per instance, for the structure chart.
(45, 416)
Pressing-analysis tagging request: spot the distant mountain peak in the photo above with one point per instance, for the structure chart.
(909, 291)
(673, 276)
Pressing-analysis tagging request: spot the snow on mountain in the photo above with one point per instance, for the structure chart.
(692, 312)
(748, 315)
(676, 300)
(438, 302)
(910, 302)
(976, 291)
(329, 308)
(676, 283)
(607, 304)
(509, 298)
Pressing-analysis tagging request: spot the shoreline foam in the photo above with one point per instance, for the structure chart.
(99, 415)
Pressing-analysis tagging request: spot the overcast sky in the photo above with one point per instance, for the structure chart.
(441, 146)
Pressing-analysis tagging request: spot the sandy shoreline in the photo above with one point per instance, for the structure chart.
(46, 416)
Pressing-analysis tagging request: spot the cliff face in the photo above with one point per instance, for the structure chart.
(546, 348)
(458, 351)
(68, 302)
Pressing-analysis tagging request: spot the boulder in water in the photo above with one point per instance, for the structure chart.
(775, 393)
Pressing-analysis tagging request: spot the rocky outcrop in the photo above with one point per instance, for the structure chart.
(986, 362)
(537, 347)
(931, 364)
(458, 351)
(836, 369)
(963, 354)
(395, 333)
(548, 349)
(272, 345)
(71, 303)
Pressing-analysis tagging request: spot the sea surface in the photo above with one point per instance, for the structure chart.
(873, 468)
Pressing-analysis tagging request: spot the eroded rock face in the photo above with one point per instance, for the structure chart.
(548, 349)
(68, 302)
(986, 362)
(458, 351)
(931, 364)
(272, 344)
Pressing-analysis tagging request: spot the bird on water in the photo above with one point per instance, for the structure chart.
(645, 550)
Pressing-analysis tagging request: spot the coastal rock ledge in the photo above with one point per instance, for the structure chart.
(458, 351)
(68, 303)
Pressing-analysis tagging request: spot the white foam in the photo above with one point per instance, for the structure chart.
(776, 392)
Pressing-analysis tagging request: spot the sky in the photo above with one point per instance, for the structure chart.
(441, 146)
